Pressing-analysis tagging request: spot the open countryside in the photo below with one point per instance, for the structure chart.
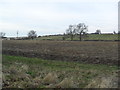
(59, 44)
(60, 64)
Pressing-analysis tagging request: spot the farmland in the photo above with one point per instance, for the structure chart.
(85, 52)
(111, 37)
(60, 64)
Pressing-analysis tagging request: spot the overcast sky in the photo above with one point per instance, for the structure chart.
(54, 16)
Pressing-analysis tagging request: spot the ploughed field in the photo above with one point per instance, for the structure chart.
(95, 52)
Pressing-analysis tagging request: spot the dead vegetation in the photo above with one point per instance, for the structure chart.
(37, 73)
(50, 78)
(109, 81)
(85, 51)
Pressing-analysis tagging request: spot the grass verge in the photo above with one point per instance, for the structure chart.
(23, 72)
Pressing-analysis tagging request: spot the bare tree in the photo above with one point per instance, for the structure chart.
(2, 34)
(32, 34)
(64, 36)
(81, 28)
(71, 31)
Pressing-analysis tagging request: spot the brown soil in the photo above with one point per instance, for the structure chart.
(86, 52)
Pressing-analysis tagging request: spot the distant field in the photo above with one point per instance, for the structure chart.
(23, 72)
(88, 37)
(85, 52)
(50, 38)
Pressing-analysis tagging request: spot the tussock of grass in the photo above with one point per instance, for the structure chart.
(66, 83)
(50, 78)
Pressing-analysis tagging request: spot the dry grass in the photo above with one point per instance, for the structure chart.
(109, 81)
(50, 78)
(66, 83)
(21, 72)
(24, 67)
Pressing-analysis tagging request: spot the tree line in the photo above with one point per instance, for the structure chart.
(80, 30)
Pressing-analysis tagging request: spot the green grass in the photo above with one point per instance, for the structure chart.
(102, 37)
(82, 74)
(56, 64)
(50, 38)
(89, 37)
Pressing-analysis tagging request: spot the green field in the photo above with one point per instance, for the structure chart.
(88, 37)
(23, 72)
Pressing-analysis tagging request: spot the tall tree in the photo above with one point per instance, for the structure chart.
(71, 31)
(81, 28)
(32, 34)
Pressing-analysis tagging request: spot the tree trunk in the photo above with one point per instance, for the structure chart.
(71, 37)
(32, 38)
(80, 37)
